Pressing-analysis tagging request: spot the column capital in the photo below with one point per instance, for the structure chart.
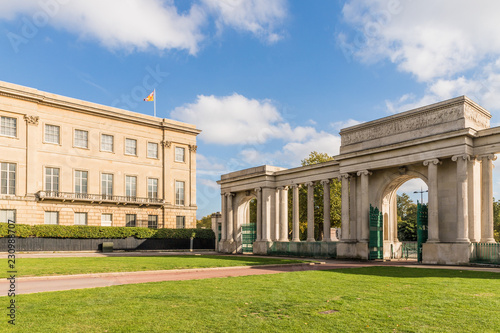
(325, 181)
(258, 189)
(434, 161)
(465, 157)
(309, 184)
(166, 144)
(229, 194)
(33, 120)
(491, 157)
(193, 148)
(344, 175)
(281, 188)
(364, 172)
(295, 185)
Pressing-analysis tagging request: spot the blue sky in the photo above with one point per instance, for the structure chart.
(267, 81)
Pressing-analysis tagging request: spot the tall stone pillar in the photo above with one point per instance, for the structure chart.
(295, 213)
(433, 210)
(345, 225)
(267, 197)
(223, 212)
(365, 206)
(275, 211)
(310, 212)
(353, 225)
(258, 194)
(283, 214)
(462, 198)
(229, 217)
(326, 210)
(487, 198)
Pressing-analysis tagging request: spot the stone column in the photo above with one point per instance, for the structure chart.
(223, 222)
(295, 213)
(275, 227)
(267, 196)
(326, 210)
(365, 206)
(283, 214)
(487, 198)
(433, 210)
(345, 234)
(462, 198)
(353, 225)
(32, 165)
(258, 193)
(310, 212)
(229, 218)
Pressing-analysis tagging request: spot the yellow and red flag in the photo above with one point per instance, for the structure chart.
(151, 97)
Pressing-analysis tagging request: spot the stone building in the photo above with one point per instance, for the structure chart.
(71, 162)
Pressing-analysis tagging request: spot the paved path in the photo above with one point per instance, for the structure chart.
(29, 285)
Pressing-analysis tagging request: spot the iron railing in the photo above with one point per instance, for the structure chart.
(99, 198)
(408, 250)
(485, 253)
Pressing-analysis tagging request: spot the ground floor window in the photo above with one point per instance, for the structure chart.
(51, 217)
(7, 215)
(80, 218)
(153, 221)
(180, 222)
(130, 220)
(106, 220)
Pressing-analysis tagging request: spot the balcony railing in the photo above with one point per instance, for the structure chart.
(98, 198)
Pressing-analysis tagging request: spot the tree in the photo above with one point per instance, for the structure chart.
(205, 222)
(407, 218)
(335, 204)
(496, 219)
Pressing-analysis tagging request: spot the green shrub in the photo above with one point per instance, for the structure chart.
(81, 231)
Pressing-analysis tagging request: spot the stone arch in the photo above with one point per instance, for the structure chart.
(241, 214)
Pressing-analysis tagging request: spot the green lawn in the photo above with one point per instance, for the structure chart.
(373, 299)
(58, 266)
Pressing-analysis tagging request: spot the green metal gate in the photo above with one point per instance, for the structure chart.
(376, 242)
(219, 232)
(422, 232)
(248, 236)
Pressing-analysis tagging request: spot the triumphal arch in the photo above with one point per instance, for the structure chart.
(449, 145)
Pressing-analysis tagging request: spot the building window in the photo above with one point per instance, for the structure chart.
(106, 220)
(8, 126)
(107, 143)
(81, 178)
(179, 193)
(153, 221)
(130, 220)
(51, 217)
(106, 184)
(180, 222)
(152, 150)
(179, 154)
(8, 178)
(80, 218)
(81, 139)
(52, 134)
(152, 188)
(131, 147)
(52, 179)
(130, 186)
(7, 215)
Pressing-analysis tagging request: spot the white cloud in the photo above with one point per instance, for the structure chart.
(136, 25)
(338, 125)
(259, 17)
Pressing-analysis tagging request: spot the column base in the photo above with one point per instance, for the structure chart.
(227, 246)
(352, 250)
(488, 240)
(261, 247)
(310, 240)
(446, 253)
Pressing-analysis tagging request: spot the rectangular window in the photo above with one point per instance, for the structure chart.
(81, 139)
(8, 126)
(81, 179)
(179, 193)
(131, 147)
(80, 218)
(130, 186)
(106, 220)
(51, 217)
(152, 188)
(153, 221)
(106, 184)
(52, 179)
(179, 154)
(107, 143)
(52, 134)
(8, 178)
(180, 222)
(152, 150)
(130, 220)
(7, 215)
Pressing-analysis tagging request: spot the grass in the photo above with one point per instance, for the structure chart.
(373, 299)
(85, 265)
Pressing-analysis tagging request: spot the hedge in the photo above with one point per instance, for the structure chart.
(81, 231)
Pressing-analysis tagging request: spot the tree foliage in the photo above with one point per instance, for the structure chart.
(496, 219)
(205, 222)
(407, 218)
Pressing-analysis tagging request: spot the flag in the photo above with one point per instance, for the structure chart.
(151, 97)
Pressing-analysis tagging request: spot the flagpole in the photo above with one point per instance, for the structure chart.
(154, 100)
